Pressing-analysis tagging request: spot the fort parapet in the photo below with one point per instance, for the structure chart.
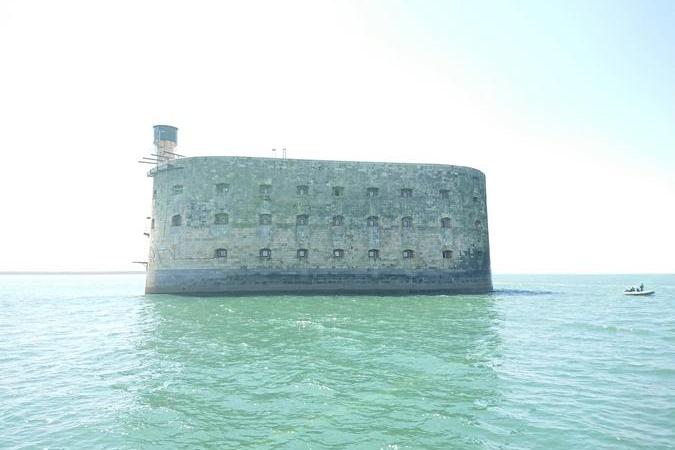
(241, 225)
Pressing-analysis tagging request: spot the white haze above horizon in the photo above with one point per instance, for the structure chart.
(567, 107)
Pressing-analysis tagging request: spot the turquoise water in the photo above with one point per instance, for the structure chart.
(554, 362)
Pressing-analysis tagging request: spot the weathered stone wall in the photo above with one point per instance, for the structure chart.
(248, 205)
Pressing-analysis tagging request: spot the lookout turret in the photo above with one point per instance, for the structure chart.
(166, 139)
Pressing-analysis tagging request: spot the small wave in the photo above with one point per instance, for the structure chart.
(521, 292)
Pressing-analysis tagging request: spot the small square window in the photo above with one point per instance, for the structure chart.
(447, 254)
(406, 222)
(222, 219)
(372, 192)
(222, 188)
(338, 253)
(265, 219)
(338, 221)
(265, 189)
(221, 253)
(303, 190)
(406, 193)
(302, 219)
(373, 254)
(408, 254)
(338, 191)
(475, 199)
(177, 189)
(445, 193)
(446, 222)
(265, 253)
(372, 221)
(302, 253)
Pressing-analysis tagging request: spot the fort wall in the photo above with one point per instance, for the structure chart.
(242, 225)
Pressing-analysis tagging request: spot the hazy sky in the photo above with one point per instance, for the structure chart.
(568, 107)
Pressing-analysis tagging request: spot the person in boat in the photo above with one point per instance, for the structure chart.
(632, 289)
(642, 287)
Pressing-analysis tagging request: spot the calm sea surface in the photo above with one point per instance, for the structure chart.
(546, 362)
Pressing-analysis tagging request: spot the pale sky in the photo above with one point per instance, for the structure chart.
(568, 107)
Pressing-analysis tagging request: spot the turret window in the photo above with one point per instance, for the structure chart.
(222, 219)
(222, 188)
(372, 221)
(338, 221)
(302, 190)
(177, 189)
(265, 253)
(176, 221)
(447, 254)
(338, 253)
(221, 253)
(372, 192)
(406, 193)
(302, 219)
(373, 254)
(302, 253)
(446, 222)
(265, 219)
(408, 254)
(406, 222)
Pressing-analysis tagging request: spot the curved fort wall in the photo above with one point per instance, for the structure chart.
(246, 225)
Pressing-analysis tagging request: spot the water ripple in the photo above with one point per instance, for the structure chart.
(544, 362)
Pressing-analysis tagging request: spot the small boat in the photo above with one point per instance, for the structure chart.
(638, 292)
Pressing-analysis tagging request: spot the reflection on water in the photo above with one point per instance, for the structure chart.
(330, 370)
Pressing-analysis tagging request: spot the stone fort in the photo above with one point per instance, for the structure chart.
(243, 225)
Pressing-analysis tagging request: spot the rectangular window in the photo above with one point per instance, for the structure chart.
(302, 253)
(372, 192)
(338, 191)
(303, 190)
(221, 253)
(265, 189)
(222, 188)
(177, 189)
(406, 193)
(445, 193)
(447, 254)
(221, 219)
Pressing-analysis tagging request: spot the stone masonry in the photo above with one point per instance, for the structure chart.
(241, 225)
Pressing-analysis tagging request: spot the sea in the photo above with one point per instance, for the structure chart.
(544, 362)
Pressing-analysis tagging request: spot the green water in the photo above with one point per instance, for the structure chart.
(546, 362)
